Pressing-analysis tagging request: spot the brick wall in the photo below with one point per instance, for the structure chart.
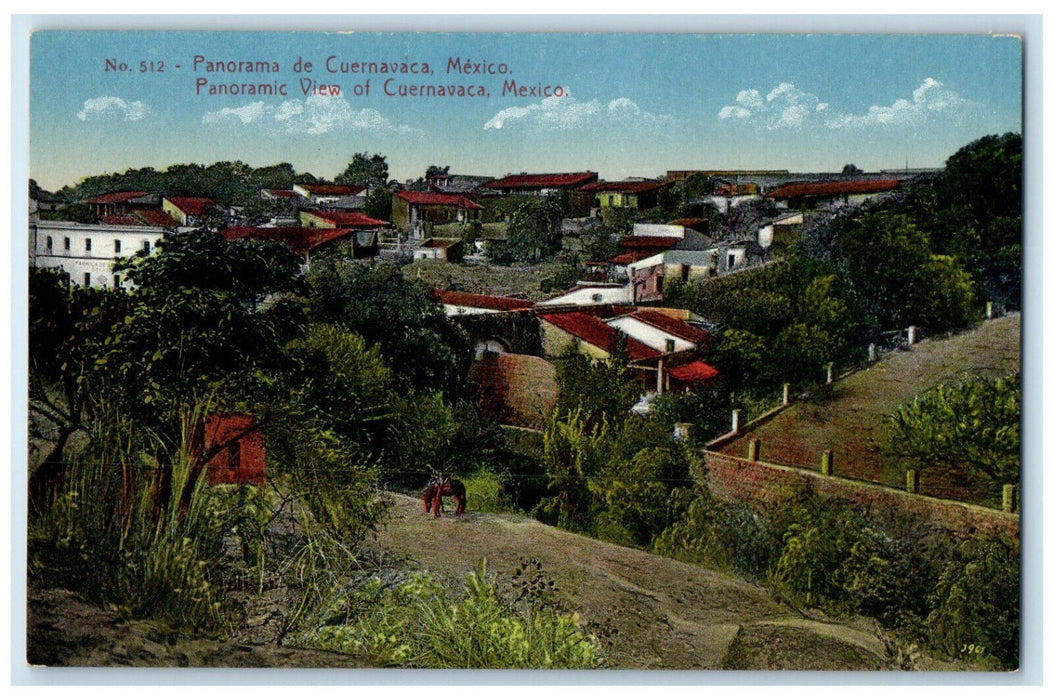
(515, 389)
(737, 479)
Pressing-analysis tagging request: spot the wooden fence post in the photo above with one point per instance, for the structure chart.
(826, 463)
(753, 450)
(913, 481)
(1009, 498)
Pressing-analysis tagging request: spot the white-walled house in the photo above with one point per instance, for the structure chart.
(87, 251)
(588, 294)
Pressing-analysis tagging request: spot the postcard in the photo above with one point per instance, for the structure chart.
(524, 350)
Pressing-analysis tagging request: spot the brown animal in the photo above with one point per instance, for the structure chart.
(437, 488)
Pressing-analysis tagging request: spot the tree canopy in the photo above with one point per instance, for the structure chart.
(365, 170)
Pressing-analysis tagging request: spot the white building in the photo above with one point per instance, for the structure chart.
(588, 294)
(87, 251)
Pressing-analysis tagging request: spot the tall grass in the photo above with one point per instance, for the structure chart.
(421, 623)
(109, 533)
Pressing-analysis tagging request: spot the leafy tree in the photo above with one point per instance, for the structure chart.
(533, 232)
(70, 328)
(601, 389)
(973, 425)
(379, 204)
(851, 170)
(436, 171)
(425, 351)
(365, 170)
(342, 385)
(574, 453)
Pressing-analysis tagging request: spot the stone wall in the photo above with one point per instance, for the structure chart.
(737, 479)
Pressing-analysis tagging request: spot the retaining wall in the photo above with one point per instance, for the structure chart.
(739, 479)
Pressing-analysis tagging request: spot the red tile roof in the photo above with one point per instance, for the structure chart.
(625, 186)
(480, 301)
(528, 182)
(438, 199)
(832, 189)
(694, 223)
(648, 242)
(348, 219)
(300, 240)
(632, 257)
(192, 206)
(114, 197)
(155, 217)
(332, 190)
(671, 326)
(595, 332)
(694, 372)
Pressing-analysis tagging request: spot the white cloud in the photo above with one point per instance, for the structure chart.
(566, 113)
(314, 115)
(788, 107)
(109, 107)
(930, 100)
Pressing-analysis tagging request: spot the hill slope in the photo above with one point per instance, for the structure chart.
(667, 614)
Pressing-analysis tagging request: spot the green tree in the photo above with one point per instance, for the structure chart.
(533, 232)
(574, 453)
(599, 389)
(70, 328)
(973, 425)
(427, 353)
(379, 204)
(365, 170)
(976, 602)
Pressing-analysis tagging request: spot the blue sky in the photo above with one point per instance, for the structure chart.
(634, 104)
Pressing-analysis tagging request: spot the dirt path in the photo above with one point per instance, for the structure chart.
(667, 614)
(850, 419)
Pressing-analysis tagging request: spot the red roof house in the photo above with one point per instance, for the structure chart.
(304, 241)
(417, 212)
(479, 302)
(592, 331)
(808, 195)
(540, 184)
(240, 455)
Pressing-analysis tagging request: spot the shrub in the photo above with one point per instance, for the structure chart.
(976, 602)
(420, 623)
(487, 494)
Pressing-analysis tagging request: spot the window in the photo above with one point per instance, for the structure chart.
(87, 245)
(670, 345)
(234, 455)
(597, 297)
(731, 260)
(50, 244)
(116, 281)
(117, 246)
(87, 279)
(66, 243)
(146, 247)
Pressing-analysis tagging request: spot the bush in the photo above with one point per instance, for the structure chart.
(977, 602)
(420, 623)
(487, 494)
